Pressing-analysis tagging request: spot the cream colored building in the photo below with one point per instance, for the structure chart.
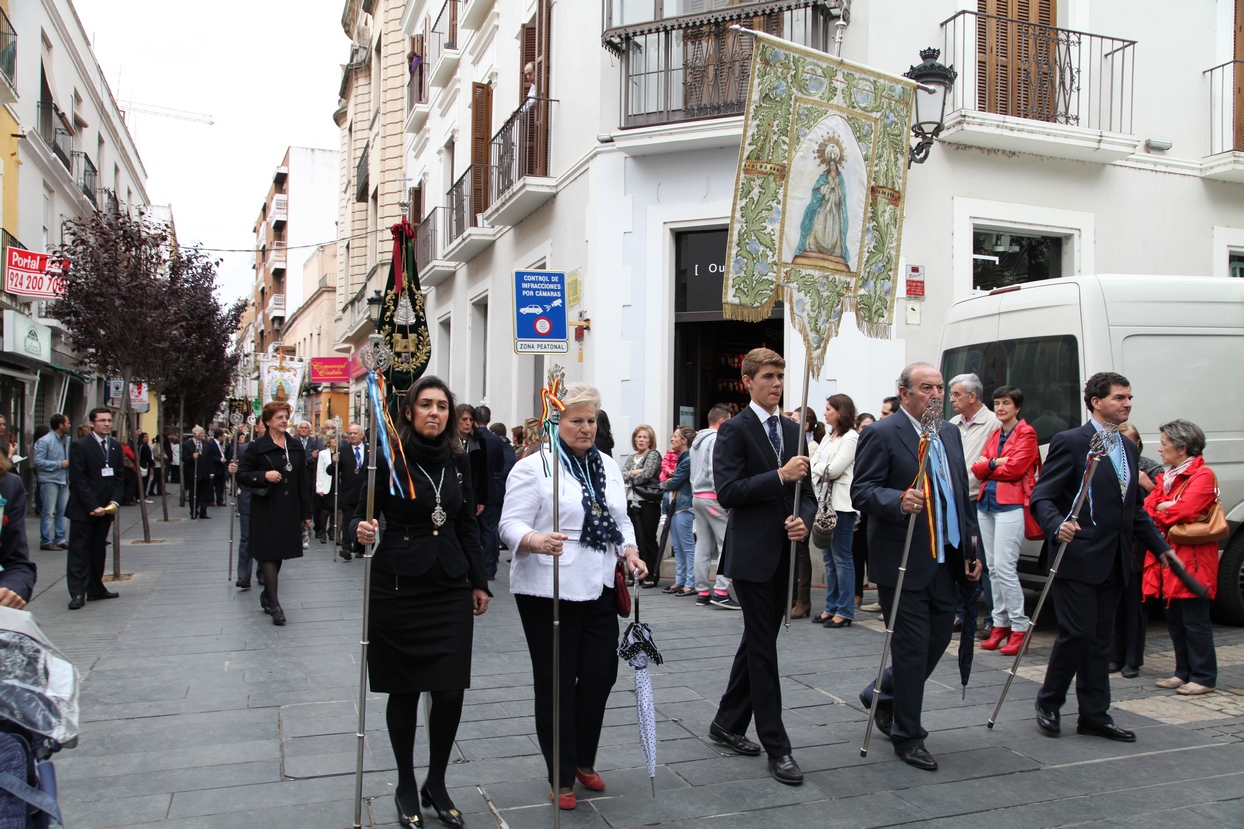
(311, 330)
(371, 184)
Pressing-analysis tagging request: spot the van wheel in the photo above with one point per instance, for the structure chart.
(1229, 605)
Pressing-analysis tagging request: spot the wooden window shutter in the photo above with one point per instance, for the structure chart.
(527, 54)
(415, 212)
(481, 139)
(544, 47)
(1016, 67)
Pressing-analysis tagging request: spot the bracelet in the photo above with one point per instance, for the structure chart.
(524, 540)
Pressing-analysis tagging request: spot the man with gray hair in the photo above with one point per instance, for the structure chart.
(976, 422)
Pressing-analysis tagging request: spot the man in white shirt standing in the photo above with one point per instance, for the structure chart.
(975, 422)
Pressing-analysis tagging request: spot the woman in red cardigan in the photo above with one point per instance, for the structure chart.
(1184, 493)
(1008, 469)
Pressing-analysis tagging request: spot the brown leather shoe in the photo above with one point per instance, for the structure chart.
(801, 610)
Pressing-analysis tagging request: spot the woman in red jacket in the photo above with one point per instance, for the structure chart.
(1008, 469)
(1184, 493)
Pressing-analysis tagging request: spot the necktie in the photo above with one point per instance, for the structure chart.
(1118, 458)
(774, 437)
(358, 457)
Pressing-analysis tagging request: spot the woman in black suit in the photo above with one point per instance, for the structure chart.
(276, 473)
(428, 580)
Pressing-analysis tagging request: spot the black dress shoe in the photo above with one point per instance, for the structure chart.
(77, 602)
(407, 819)
(449, 816)
(1129, 672)
(1048, 722)
(1113, 667)
(738, 742)
(885, 715)
(345, 554)
(785, 770)
(244, 584)
(107, 594)
(917, 756)
(278, 616)
(1110, 731)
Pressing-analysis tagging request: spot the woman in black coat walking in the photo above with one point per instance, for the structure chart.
(428, 581)
(275, 472)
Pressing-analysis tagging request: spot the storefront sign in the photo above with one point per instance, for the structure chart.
(355, 367)
(329, 369)
(34, 275)
(540, 312)
(27, 339)
(138, 397)
(915, 282)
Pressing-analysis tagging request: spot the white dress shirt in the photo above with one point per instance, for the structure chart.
(529, 507)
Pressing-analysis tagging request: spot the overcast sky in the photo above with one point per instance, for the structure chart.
(267, 71)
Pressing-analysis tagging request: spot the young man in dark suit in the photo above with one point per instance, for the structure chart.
(1097, 562)
(885, 489)
(95, 470)
(350, 477)
(217, 466)
(756, 466)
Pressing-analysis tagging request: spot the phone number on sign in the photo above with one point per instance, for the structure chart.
(36, 284)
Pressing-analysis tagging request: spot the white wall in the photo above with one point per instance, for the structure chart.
(312, 214)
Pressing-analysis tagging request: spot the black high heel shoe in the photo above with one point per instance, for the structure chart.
(830, 623)
(413, 820)
(450, 817)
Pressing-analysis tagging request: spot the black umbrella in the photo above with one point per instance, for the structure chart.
(969, 592)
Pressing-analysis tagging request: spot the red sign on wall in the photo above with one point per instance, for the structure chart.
(915, 282)
(330, 369)
(34, 275)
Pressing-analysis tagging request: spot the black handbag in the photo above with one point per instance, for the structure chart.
(650, 491)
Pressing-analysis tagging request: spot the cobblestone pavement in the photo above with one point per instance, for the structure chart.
(198, 713)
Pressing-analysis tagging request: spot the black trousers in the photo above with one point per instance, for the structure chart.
(200, 495)
(1085, 623)
(645, 516)
(589, 668)
(218, 488)
(1127, 646)
(859, 552)
(754, 689)
(922, 630)
(84, 566)
(1193, 638)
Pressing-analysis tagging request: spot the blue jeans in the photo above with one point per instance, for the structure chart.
(682, 536)
(840, 569)
(1193, 638)
(55, 498)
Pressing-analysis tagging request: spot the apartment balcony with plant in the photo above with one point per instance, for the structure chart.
(1026, 85)
(693, 67)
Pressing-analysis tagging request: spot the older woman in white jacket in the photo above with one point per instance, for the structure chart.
(595, 533)
(834, 467)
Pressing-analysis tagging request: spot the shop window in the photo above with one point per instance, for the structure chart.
(1002, 258)
(1235, 264)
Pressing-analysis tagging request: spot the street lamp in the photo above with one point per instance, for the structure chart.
(935, 82)
(375, 303)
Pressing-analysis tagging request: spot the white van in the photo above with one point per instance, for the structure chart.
(1179, 340)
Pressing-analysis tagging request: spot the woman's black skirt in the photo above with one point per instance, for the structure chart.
(420, 632)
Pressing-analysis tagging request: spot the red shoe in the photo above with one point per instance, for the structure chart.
(1012, 646)
(565, 802)
(590, 781)
(996, 638)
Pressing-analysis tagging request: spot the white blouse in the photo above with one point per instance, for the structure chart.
(834, 463)
(584, 572)
(323, 481)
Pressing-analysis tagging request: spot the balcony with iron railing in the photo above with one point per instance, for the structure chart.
(432, 266)
(85, 176)
(276, 256)
(8, 60)
(693, 67)
(465, 234)
(55, 136)
(519, 155)
(280, 211)
(443, 52)
(107, 200)
(1031, 88)
(417, 104)
(1225, 161)
(362, 187)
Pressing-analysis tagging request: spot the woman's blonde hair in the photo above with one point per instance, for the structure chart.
(646, 429)
(579, 393)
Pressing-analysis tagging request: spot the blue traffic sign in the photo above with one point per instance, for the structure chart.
(540, 312)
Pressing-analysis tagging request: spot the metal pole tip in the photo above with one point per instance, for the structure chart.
(989, 724)
(863, 752)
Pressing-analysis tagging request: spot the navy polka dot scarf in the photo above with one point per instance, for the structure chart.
(599, 531)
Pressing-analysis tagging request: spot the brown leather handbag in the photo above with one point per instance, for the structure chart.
(1208, 528)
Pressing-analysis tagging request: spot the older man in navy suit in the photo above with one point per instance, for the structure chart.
(1097, 561)
(886, 489)
(756, 465)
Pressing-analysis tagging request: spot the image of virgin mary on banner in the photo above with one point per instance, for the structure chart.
(818, 202)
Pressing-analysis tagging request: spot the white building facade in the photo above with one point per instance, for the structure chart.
(1086, 136)
(73, 155)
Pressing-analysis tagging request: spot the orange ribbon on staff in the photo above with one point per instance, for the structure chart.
(925, 484)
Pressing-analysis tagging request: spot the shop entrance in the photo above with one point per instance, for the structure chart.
(708, 348)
